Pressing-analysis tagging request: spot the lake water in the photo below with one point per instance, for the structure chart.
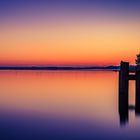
(63, 105)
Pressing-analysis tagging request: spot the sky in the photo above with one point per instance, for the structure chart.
(69, 32)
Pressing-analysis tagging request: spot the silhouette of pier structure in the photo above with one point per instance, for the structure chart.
(124, 76)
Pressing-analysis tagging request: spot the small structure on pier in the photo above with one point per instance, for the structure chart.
(124, 76)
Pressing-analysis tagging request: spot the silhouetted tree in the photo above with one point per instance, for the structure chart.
(138, 59)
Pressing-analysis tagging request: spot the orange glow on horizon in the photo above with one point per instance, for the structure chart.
(70, 43)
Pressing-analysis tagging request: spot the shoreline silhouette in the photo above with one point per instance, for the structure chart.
(113, 68)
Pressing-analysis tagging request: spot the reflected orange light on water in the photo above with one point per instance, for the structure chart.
(62, 93)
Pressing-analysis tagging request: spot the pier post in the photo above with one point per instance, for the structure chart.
(123, 78)
(137, 109)
(123, 92)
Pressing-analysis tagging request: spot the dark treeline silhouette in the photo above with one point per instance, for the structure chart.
(114, 68)
(59, 68)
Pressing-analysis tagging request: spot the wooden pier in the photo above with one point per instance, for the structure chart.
(124, 76)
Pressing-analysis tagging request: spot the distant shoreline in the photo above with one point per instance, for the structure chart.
(61, 68)
(112, 68)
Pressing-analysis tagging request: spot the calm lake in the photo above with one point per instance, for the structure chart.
(63, 105)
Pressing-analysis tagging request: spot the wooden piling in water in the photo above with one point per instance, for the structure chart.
(123, 92)
(137, 109)
(123, 78)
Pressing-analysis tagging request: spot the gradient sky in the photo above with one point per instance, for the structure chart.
(69, 32)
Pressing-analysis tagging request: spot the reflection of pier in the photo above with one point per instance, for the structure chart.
(124, 77)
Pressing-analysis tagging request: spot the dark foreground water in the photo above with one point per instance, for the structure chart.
(63, 105)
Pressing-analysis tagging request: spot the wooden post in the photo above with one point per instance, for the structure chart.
(124, 78)
(123, 109)
(137, 109)
(123, 92)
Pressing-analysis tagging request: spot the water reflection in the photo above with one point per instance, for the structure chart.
(137, 109)
(74, 105)
(124, 106)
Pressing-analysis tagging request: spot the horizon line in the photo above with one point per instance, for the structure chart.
(113, 68)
